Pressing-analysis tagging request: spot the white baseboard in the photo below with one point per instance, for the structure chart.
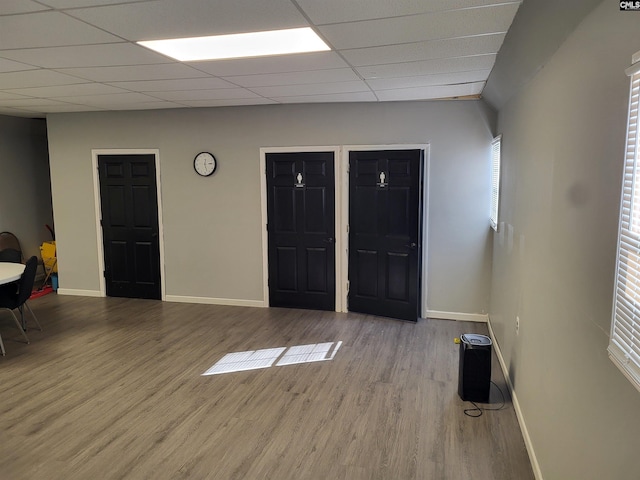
(215, 301)
(174, 298)
(516, 405)
(461, 317)
(79, 293)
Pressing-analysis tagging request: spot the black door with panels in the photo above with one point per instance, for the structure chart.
(301, 230)
(385, 233)
(129, 204)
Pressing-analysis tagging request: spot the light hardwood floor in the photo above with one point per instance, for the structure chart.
(112, 389)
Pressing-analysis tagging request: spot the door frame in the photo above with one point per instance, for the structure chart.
(341, 158)
(98, 211)
(424, 221)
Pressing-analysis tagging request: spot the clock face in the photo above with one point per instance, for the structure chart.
(205, 164)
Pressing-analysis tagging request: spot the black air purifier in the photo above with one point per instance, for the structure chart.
(474, 379)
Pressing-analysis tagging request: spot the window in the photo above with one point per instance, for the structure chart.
(624, 343)
(495, 181)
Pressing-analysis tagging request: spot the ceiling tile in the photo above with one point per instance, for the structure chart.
(86, 56)
(18, 112)
(428, 80)
(227, 102)
(35, 78)
(277, 64)
(140, 72)
(9, 96)
(329, 98)
(48, 29)
(295, 78)
(67, 107)
(187, 18)
(107, 101)
(218, 93)
(11, 66)
(411, 52)
(428, 67)
(421, 93)
(418, 28)
(311, 89)
(84, 3)
(31, 102)
(147, 106)
(68, 90)
(10, 7)
(338, 11)
(171, 85)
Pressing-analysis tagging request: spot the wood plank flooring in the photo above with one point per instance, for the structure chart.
(112, 389)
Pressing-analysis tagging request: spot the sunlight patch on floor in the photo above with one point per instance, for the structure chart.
(268, 357)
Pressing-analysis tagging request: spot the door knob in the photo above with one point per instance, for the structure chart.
(329, 239)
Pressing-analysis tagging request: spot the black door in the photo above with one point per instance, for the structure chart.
(301, 230)
(384, 233)
(129, 202)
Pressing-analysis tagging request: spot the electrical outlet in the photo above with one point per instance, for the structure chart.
(517, 325)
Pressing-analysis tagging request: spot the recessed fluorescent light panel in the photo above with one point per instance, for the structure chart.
(239, 45)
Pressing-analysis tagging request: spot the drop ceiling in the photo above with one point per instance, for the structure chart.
(81, 55)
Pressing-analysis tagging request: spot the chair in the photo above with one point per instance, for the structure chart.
(16, 299)
(9, 241)
(10, 255)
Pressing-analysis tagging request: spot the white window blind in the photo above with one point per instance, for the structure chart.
(495, 181)
(624, 343)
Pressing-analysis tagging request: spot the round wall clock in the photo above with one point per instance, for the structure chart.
(205, 164)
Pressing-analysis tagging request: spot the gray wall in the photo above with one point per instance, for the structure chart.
(25, 193)
(212, 226)
(537, 31)
(554, 255)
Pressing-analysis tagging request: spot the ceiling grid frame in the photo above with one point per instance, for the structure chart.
(85, 57)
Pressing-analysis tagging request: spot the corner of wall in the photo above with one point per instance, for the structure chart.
(516, 404)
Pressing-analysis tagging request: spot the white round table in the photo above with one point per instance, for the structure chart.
(10, 272)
